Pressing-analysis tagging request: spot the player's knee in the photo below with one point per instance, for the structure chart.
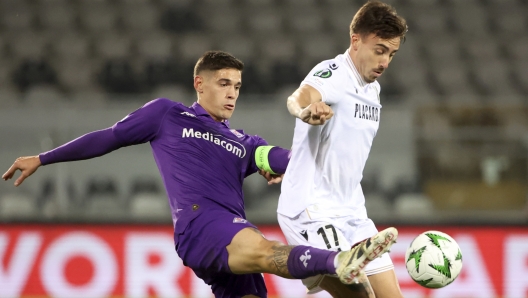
(271, 254)
(250, 252)
(262, 253)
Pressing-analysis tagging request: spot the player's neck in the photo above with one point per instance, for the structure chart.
(204, 105)
(353, 65)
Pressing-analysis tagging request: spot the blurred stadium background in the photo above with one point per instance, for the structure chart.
(451, 152)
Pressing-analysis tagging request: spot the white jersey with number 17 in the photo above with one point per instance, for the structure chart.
(327, 162)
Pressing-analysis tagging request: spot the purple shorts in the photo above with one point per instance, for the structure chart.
(202, 247)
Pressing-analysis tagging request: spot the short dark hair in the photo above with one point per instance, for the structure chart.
(215, 60)
(378, 18)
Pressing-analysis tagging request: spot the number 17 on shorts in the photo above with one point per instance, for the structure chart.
(320, 234)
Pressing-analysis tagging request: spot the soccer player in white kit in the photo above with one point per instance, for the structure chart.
(338, 109)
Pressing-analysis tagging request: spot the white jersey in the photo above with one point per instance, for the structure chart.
(327, 162)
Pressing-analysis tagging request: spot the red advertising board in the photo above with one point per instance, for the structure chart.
(140, 261)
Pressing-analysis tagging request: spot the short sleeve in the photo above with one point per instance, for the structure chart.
(326, 77)
(143, 124)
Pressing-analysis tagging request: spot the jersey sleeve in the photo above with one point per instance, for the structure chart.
(278, 159)
(143, 124)
(326, 77)
(90, 145)
(252, 166)
(138, 127)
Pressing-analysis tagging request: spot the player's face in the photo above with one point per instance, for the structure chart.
(373, 54)
(218, 91)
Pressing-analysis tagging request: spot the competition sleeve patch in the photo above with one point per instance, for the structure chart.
(323, 73)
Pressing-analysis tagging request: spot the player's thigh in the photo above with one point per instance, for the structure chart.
(203, 247)
(249, 251)
(334, 287)
(385, 285)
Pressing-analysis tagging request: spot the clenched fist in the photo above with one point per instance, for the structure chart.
(316, 113)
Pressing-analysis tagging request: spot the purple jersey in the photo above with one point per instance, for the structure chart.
(202, 162)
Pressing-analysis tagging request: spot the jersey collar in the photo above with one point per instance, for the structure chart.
(200, 111)
(355, 72)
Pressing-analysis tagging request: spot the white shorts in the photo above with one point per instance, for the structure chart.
(337, 233)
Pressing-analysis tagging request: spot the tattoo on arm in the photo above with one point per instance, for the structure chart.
(278, 261)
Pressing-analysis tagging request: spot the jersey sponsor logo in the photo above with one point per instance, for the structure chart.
(187, 114)
(323, 74)
(367, 112)
(304, 258)
(304, 233)
(231, 146)
(333, 66)
(236, 133)
(239, 220)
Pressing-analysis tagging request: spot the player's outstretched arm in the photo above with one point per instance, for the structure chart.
(90, 145)
(138, 127)
(305, 103)
(26, 164)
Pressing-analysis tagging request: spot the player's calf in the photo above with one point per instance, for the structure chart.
(250, 252)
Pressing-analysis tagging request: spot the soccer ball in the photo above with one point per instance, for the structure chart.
(433, 259)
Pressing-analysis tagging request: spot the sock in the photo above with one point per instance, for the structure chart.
(335, 261)
(306, 261)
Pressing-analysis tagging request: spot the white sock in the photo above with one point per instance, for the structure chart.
(335, 260)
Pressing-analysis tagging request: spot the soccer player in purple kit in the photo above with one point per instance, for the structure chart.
(203, 163)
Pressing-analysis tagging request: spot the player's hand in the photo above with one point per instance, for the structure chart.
(316, 113)
(26, 164)
(272, 179)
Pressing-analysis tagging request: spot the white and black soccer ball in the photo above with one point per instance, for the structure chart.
(433, 259)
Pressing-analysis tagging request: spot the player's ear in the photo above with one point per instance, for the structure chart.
(198, 83)
(354, 41)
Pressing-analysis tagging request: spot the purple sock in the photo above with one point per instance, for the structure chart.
(306, 261)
